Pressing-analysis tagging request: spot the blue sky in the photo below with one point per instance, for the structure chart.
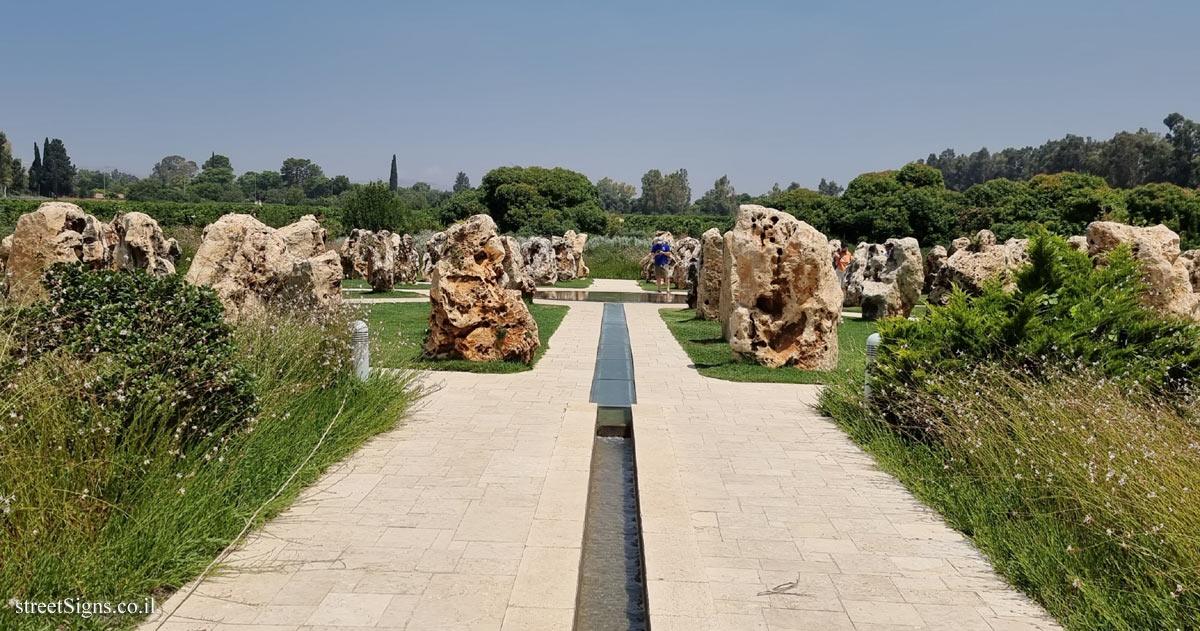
(763, 91)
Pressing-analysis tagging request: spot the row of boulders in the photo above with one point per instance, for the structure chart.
(1169, 275)
(549, 260)
(58, 232)
(381, 258)
(973, 262)
(247, 263)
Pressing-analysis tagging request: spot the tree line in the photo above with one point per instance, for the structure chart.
(1126, 160)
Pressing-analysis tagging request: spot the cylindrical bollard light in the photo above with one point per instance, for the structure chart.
(872, 349)
(360, 350)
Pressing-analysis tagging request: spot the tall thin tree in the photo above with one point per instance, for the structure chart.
(394, 179)
(35, 171)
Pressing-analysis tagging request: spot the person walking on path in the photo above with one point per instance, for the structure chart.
(662, 261)
(841, 261)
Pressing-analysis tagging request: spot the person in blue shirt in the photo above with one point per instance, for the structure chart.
(662, 262)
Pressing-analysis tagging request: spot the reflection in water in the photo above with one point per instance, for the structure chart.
(610, 296)
(612, 592)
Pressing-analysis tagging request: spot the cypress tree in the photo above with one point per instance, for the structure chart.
(394, 180)
(35, 171)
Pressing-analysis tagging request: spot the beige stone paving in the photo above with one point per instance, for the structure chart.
(468, 516)
(746, 487)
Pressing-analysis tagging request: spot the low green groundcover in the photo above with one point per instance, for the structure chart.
(398, 333)
(710, 352)
(374, 295)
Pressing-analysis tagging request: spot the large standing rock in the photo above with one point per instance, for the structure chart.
(472, 315)
(564, 258)
(688, 249)
(935, 259)
(408, 260)
(972, 264)
(712, 261)
(865, 265)
(899, 283)
(304, 238)
(514, 269)
(353, 256)
(379, 253)
(1164, 269)
(433, 253)
(1078, 243)
(540, 265)
(780, 294)
(250, 267)
(140, 244)
(577, 243)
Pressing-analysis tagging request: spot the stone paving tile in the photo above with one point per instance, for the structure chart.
(747, 489)
(468, 516)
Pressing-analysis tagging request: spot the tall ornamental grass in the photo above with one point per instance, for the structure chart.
(113, 496)
(615, 257)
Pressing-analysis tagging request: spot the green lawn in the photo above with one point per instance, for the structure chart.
(651, 286)
(398, 333)
(358, 283)
(371, 295)
(575, 283)
(702, 341)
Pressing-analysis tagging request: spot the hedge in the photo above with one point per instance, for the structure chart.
(692, 225)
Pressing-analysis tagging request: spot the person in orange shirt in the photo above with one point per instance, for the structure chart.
(841, 261)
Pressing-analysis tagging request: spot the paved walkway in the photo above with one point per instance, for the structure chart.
(469, 516)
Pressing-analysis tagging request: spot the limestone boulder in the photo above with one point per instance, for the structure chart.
(935, 259)
(564, 258)
(140, 244)
(304, 238)
(898, 284)
(57, 232)
(408, 260)
(961, 243)
(686, 250)
(1164, 268)
(353, 257)
(473, 316)
(379, 253)
(578, 243)
(1078, 243)
(780, 299)
(1191, 260)
(865, 265)
(540, 262)
(711, 264)
(970, 266)
(515, 276)
(251, 268)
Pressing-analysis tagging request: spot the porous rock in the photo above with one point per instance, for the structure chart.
(1164, 268)
(250, 267)
(935, 259)
(686, 251)
(515, 276)
(539, 258)
(972, 264)
(708, 286)
(473, 316)
(897, 287)
(780, 301)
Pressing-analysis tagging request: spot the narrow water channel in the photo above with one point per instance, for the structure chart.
(612, 574)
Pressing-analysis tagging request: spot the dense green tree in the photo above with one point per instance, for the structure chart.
(831, 188)
(1176, 207)
(256, 185)
(218, 172)
(677, 193)
(538, 200)
(299, 172)
(17, 179)
(35, 171)
(721, 199)
(174, 171)
(615, 197)
(461, 182)
(339, 184)
(372, 206)
(57, 175)
(461, 205)
(913, 201)
(6, 160)
(804, 204)
(1184, 138)
(651, 201)
(394, 178)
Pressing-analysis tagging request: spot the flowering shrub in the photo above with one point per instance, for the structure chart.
(156, 345)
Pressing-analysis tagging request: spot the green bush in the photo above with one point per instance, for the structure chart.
(677, 225)
(159, 346)
(1063, 310)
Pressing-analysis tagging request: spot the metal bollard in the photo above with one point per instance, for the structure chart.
(873, 341)
(360, 350)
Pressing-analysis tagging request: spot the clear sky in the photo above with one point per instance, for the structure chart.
(763, 91)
